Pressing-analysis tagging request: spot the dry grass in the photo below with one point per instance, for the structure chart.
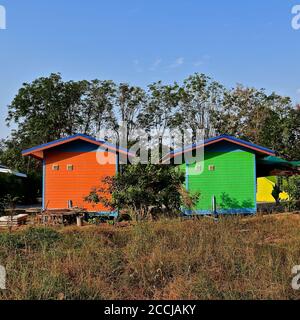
(201, 259)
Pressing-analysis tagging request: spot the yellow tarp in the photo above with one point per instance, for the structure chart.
(264, 191)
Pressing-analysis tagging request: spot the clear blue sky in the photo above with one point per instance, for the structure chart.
(141, 41)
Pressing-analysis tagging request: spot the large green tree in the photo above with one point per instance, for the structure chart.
(97, 108)
(50, 108)
(161, 107)
(268, 120)
(42, 111)
(200, 97)
(47, 109)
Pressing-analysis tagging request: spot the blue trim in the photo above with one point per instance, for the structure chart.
(117, 163)
(77, 145)
(48, 144)
(248, 143)
(233, 139)
(113, 214)
(118, 148)
(220, 211)
(255, 184)
(43, 186)
(187, 176)
(226, 146)
(117, 172)
(79, 135)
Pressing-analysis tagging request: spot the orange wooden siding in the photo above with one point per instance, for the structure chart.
(63, 185)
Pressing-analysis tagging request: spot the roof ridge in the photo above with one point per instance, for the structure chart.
(63, 140)
(216, 139)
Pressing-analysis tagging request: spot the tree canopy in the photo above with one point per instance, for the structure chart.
(50, 108)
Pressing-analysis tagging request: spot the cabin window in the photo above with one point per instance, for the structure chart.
(70, 167)
(211, 168)
(55, 167)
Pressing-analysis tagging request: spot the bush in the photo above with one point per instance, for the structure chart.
(292, 187)
(143, 190)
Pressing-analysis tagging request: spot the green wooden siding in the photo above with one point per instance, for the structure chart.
(233, 182)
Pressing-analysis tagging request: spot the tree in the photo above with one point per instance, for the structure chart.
(160, 110)
(291, 135)
(47, 109)
(44, 110)
(50, 108)
(129, 103)
(276, 193)
(253, 115)
(97, 108)
(292, 187)
(199, 98)
(144, 189)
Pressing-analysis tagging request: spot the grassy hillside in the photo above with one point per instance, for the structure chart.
(232, 259)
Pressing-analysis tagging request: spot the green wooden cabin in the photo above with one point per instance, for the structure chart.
(226, 177)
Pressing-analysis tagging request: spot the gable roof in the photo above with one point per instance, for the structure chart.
(37, 152)
(248, 145)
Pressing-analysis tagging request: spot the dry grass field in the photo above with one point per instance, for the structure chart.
(235, 258)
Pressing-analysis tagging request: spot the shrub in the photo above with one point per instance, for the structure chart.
(292, 187)
(144, 190)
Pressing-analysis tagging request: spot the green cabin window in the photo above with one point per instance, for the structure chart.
(211, 168)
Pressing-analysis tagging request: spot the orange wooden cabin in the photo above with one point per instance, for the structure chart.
(72, 167)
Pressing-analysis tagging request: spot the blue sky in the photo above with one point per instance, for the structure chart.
(142, 41)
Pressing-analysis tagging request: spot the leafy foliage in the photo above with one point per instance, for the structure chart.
(292, 187)
(50, 108)
(276, 193)
(144, 189)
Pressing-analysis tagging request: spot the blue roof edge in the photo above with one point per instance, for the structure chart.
(195, 145)
(65, 139)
